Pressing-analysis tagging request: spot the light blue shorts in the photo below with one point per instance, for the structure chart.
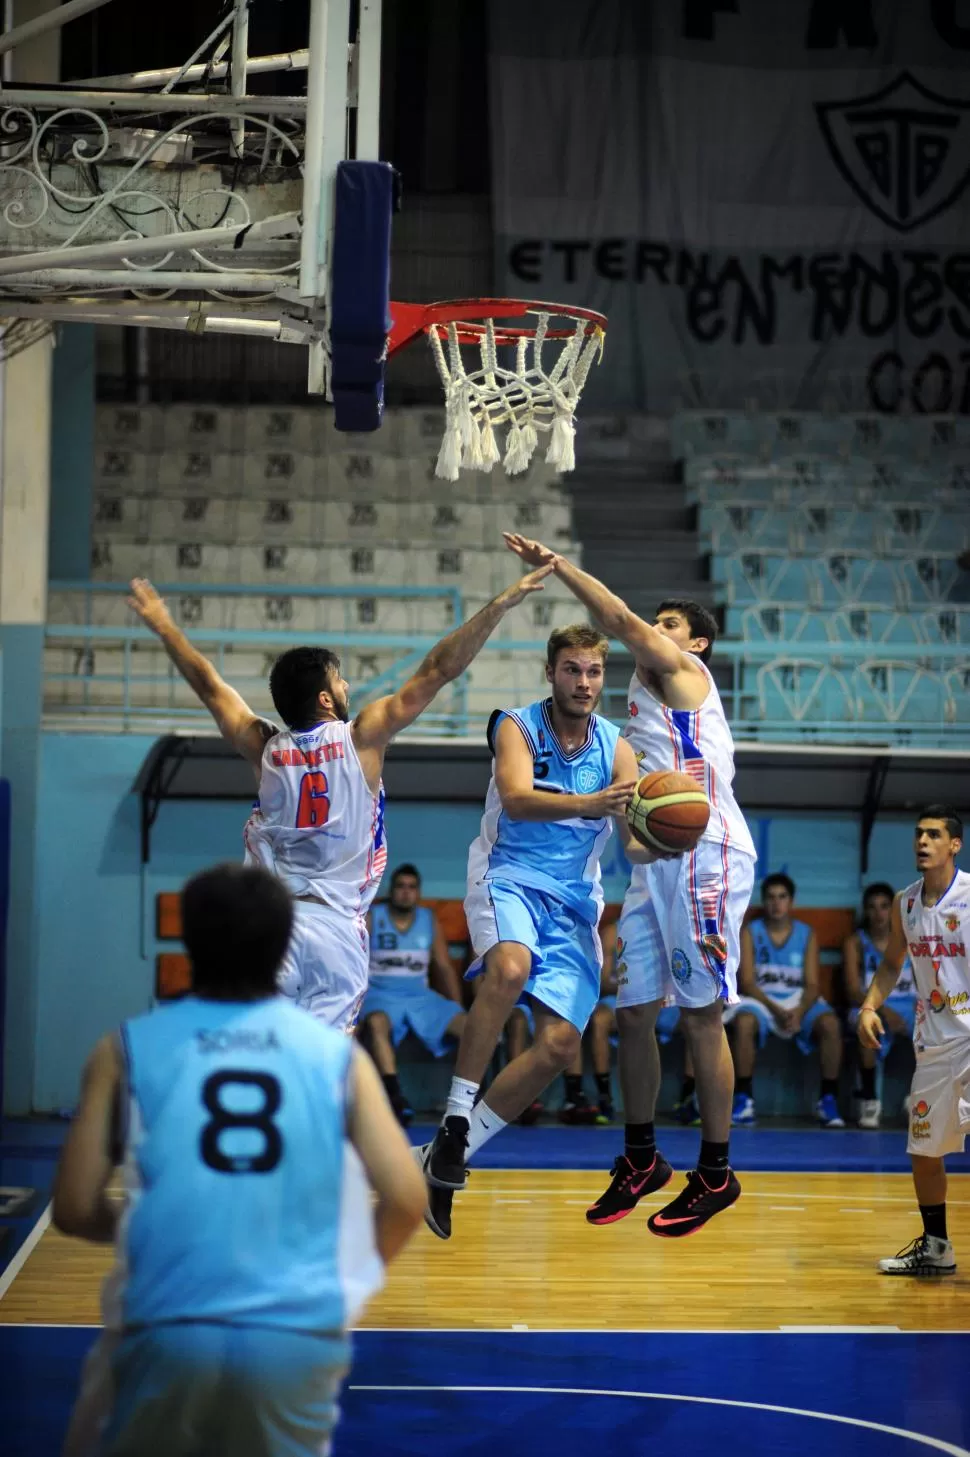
(181, 1389)
(766, 1022)
(567, 957)
(905, 1007)
(412, 1006)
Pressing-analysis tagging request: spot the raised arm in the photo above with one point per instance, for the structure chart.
(521, 801)
(376, 725)
(651, 650)
(235, 720)
(870, 1027)
(82, 1205)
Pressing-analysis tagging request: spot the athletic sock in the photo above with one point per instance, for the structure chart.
(603, 1085)
(687, 1089)
(461, 1099)
(867, 1082)
(640, 1144)
(744, 1085)
(712, 1163)
(392, 1087)
(934, 1220)
(483, 1125)
(830, 1087)
(574, 1087)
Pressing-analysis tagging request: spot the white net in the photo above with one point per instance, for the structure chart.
(526, 398)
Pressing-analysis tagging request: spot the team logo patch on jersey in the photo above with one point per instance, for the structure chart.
(952, 923)
(716, 945)
(633, 710)
(910, 903)
(586, 780)
(680, 967)
(937, 1000)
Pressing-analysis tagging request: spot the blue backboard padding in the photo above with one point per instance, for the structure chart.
(361, 292)
(4, 906)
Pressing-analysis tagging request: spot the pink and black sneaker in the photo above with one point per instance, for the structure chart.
(627, 1189)
(694, 1206)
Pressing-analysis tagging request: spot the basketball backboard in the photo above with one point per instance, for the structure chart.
(130, 200)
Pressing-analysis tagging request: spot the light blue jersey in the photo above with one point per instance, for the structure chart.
(246, 1203)
(560, 857)
(780, 970)
(398, 953)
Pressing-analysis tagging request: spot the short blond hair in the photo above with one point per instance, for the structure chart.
(576, 635)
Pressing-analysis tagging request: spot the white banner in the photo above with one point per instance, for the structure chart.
(752, 191)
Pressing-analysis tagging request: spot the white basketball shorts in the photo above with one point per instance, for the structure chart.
(325, 966)
(679, 935)
(939, 1103)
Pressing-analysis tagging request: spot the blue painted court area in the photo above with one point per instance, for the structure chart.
(484, 1393)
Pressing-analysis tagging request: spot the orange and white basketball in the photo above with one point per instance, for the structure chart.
(668, 812)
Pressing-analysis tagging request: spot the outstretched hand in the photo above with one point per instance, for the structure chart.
(513, 595)
(533, 553)
(150, 607)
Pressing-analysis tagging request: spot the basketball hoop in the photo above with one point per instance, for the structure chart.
(515, 389)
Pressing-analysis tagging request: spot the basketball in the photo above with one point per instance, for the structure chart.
(668, 812)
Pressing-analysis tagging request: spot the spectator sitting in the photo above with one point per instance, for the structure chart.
(602, 1027)
(861, 955)
(778, 980)
(602, 1034)
(407, 948)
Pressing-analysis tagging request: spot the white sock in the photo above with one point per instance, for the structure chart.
(483, 1126)
(461, 1098)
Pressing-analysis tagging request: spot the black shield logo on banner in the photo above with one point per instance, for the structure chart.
(904, 150)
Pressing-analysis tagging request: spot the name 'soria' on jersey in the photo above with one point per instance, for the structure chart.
(317, 824)
(562, 856)
(697, 742)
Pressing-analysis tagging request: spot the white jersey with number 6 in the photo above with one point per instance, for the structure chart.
(317, 825)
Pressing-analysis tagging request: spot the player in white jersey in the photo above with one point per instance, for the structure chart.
(318, 823)
(681, 921)
(931, 923)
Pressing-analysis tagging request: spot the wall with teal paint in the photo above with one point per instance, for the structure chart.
(95, 906)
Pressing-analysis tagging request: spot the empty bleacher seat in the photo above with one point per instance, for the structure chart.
(888, 691)
(793, 690)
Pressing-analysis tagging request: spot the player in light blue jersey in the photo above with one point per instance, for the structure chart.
(862, 953)
(407, 950)
(779, 985)
(248, 1133)
(561, 776)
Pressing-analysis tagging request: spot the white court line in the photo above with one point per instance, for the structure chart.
(857, 1211)
(24, 1253)
(841, 1330)
(545, 1330)
(557, 1330)
(921, 1438)
(786, 1208)
(513, 1201)
(746, 1193)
